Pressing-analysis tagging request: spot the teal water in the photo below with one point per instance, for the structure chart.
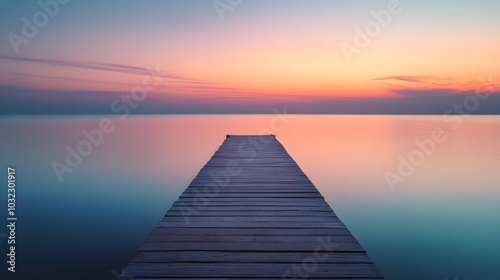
(441, 222)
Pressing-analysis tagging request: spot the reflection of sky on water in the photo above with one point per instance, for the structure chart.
(440, 223)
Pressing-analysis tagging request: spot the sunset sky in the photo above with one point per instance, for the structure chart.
(252, 56)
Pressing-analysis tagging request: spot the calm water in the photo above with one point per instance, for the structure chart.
(442, 222)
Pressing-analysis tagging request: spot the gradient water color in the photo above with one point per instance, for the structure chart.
(441, 223)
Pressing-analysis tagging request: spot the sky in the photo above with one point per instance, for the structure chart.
(250, 56)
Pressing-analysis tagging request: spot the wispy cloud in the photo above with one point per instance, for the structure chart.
(26, 76)
(425, 92)
(112, 67)
(412, 79)
(431, 84)
(175, 82)
(185, 87)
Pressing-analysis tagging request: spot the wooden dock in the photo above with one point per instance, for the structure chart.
(251, 213)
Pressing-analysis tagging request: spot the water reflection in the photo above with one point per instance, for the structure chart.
(441, 222)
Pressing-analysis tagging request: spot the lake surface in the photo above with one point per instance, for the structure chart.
(440, 220)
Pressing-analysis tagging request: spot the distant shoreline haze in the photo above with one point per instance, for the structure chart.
(20, 101)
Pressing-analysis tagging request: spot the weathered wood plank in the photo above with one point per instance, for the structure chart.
(243, 257)
(289, 200)
(252, 208)
(250, 213)
(247, 269)
(253, 278)
(255, 195)
(254, 190)
(251, 231)
(245, 219)
(237, 224)
(245, 239)
(192, 203)
(253, 247)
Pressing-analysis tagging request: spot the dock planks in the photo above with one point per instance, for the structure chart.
(251, 213)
